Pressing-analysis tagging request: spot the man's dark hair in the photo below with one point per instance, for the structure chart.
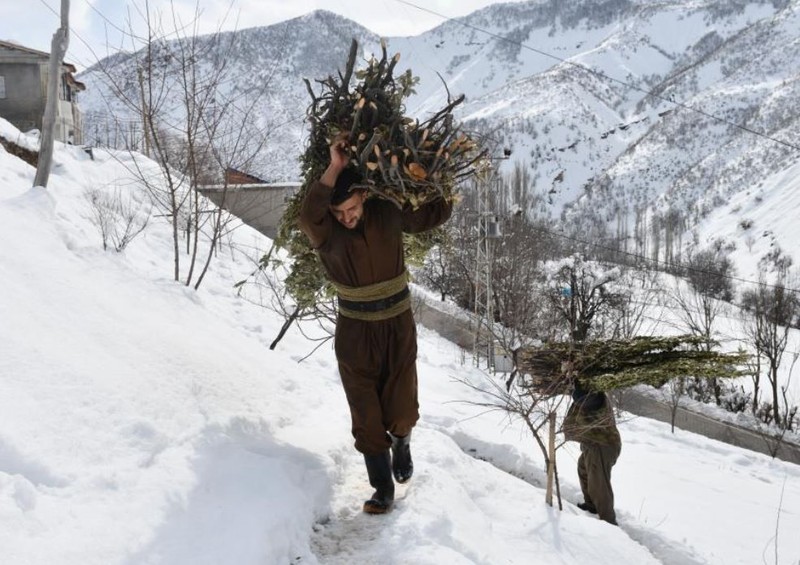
(343, 188)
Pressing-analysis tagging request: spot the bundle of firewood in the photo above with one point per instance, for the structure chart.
(605, 365)
(402, 159)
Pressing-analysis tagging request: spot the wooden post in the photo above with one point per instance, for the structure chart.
(58, 48)
(551, 459)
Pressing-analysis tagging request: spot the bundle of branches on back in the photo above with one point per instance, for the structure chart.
(401, 159)
(605, 365)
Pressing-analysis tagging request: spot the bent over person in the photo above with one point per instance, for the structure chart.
(360, 245)
(590, 421)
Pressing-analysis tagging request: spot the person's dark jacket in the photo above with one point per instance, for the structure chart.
(377, 359)
(372, 252)
(590, 419)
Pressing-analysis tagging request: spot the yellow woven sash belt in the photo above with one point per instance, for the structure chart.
(379, 301)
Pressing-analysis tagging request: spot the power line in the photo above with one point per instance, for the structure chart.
(659, 263)
(576, 65)
(544, 54)
(129, 32)
(233, 101)
(524, 46)
(603, 75)
(521, 45)
(72, 32)
(647, 92)
(105, 19)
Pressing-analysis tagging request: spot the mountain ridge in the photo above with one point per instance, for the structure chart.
(628, 104)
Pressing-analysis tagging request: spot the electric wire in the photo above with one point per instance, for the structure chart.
(515, 43)
(638, 257)
(74, 33)
(658, 263)
(641, 258)
(602, 75)
(523, 46)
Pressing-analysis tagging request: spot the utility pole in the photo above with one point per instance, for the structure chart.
(488, 232)
(58, 48)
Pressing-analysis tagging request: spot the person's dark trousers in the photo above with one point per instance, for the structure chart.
(402, 465)
(594, 473)
(377, 365)
(379, 470)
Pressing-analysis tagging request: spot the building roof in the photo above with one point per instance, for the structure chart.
(78, 85)
(43, 54)
(235, 176)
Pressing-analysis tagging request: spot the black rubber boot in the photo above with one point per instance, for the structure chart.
(402, 465)
(379, 470)
(588, 507)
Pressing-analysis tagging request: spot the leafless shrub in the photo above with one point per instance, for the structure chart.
(119, 217)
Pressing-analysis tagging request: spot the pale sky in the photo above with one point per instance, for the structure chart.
(96, 24)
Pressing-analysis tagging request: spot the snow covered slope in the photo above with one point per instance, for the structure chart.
(142, 422)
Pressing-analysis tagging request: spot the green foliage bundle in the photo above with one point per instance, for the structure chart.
(402, 160)
(605, 365)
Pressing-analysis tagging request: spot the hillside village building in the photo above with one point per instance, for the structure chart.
(23, 92)
(257, 203)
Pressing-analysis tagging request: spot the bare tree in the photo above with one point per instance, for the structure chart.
(698, 312)
(771, 310)
(519, 313)
(194, 128)
(709, 274)
(710, 271)
(449, 267)
(58, 48)
(674, 390)
(265, 287)
(579, 294)
(584, 293)
(537, 409)
(442, 271)
(754, 367)
(639, 309)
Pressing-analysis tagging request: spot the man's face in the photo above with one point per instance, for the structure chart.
(350, 212)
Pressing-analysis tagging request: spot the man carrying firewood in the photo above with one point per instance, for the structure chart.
(590, 421)
(359, 241)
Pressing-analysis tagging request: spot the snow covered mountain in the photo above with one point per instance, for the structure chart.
(630, 114)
